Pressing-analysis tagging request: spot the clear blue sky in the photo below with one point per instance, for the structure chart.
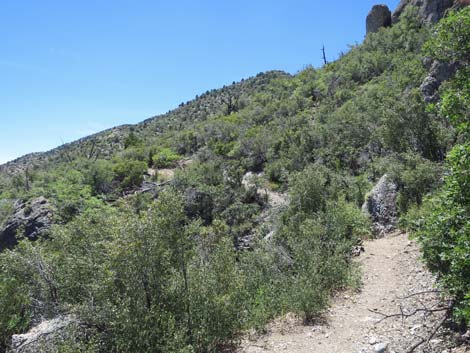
(72, 68)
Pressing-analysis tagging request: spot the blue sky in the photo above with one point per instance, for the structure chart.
(72, 68)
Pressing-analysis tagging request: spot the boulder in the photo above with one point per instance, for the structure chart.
(47, 336)
(380, 16)
(30, 218)
(381, 206)
(438, 73)
(430, 11)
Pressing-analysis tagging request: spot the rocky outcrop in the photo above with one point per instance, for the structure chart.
(381, 205)
(430, 11)
(380, 16)
(47, 336)
(438, 73)
(31, 218)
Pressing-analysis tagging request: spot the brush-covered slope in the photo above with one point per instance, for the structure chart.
(149, 219)
(107, 143)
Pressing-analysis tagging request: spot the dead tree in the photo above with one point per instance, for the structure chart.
(445, 309)
(231, 100)
(324, 56)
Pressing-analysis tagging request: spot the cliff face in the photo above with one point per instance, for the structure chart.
(431, 11)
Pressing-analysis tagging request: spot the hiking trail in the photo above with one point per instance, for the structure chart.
(394, 281)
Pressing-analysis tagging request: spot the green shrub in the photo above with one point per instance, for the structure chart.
(444, 227)
(444, 230)
(6, 209)
(129, 173)
(165, 158)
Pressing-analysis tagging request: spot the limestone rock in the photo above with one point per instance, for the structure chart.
(438, 73)
(46, 336)
(430, 11)
(381, 205)
(32, 218)
(380, 16)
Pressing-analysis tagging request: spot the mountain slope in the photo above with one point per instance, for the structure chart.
(106, 143)
(165, 238)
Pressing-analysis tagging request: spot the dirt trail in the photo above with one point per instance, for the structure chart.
(391, 271)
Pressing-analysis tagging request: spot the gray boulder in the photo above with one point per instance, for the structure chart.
(430, 11)
(380, 16)
(47, 336)
(30, 219)
(381, 206)
(438, 73)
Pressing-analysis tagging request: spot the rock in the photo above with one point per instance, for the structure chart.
(31, 218)
(466, 336)
(381, 347)
(380, 16)
(357, 250)
(249, 180)
(381, 205)
(430, 11)
(47, 335)
(269, 235)
(438, 73)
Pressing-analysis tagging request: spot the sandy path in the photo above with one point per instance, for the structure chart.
(391, 271)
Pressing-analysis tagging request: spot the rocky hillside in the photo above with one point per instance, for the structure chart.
(250, 202)
(106, 143)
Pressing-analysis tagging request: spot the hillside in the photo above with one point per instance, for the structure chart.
(249, 203)
(107, 143)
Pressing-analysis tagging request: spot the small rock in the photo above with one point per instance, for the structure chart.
(415, 328)
(372, 340)
(380, 347)
(466, 336)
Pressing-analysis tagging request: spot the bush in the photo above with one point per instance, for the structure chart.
(129, 173)
(165, 158)
(444, 231)
(320, 248)
(6, 209)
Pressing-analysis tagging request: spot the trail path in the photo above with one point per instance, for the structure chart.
(391, 273)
